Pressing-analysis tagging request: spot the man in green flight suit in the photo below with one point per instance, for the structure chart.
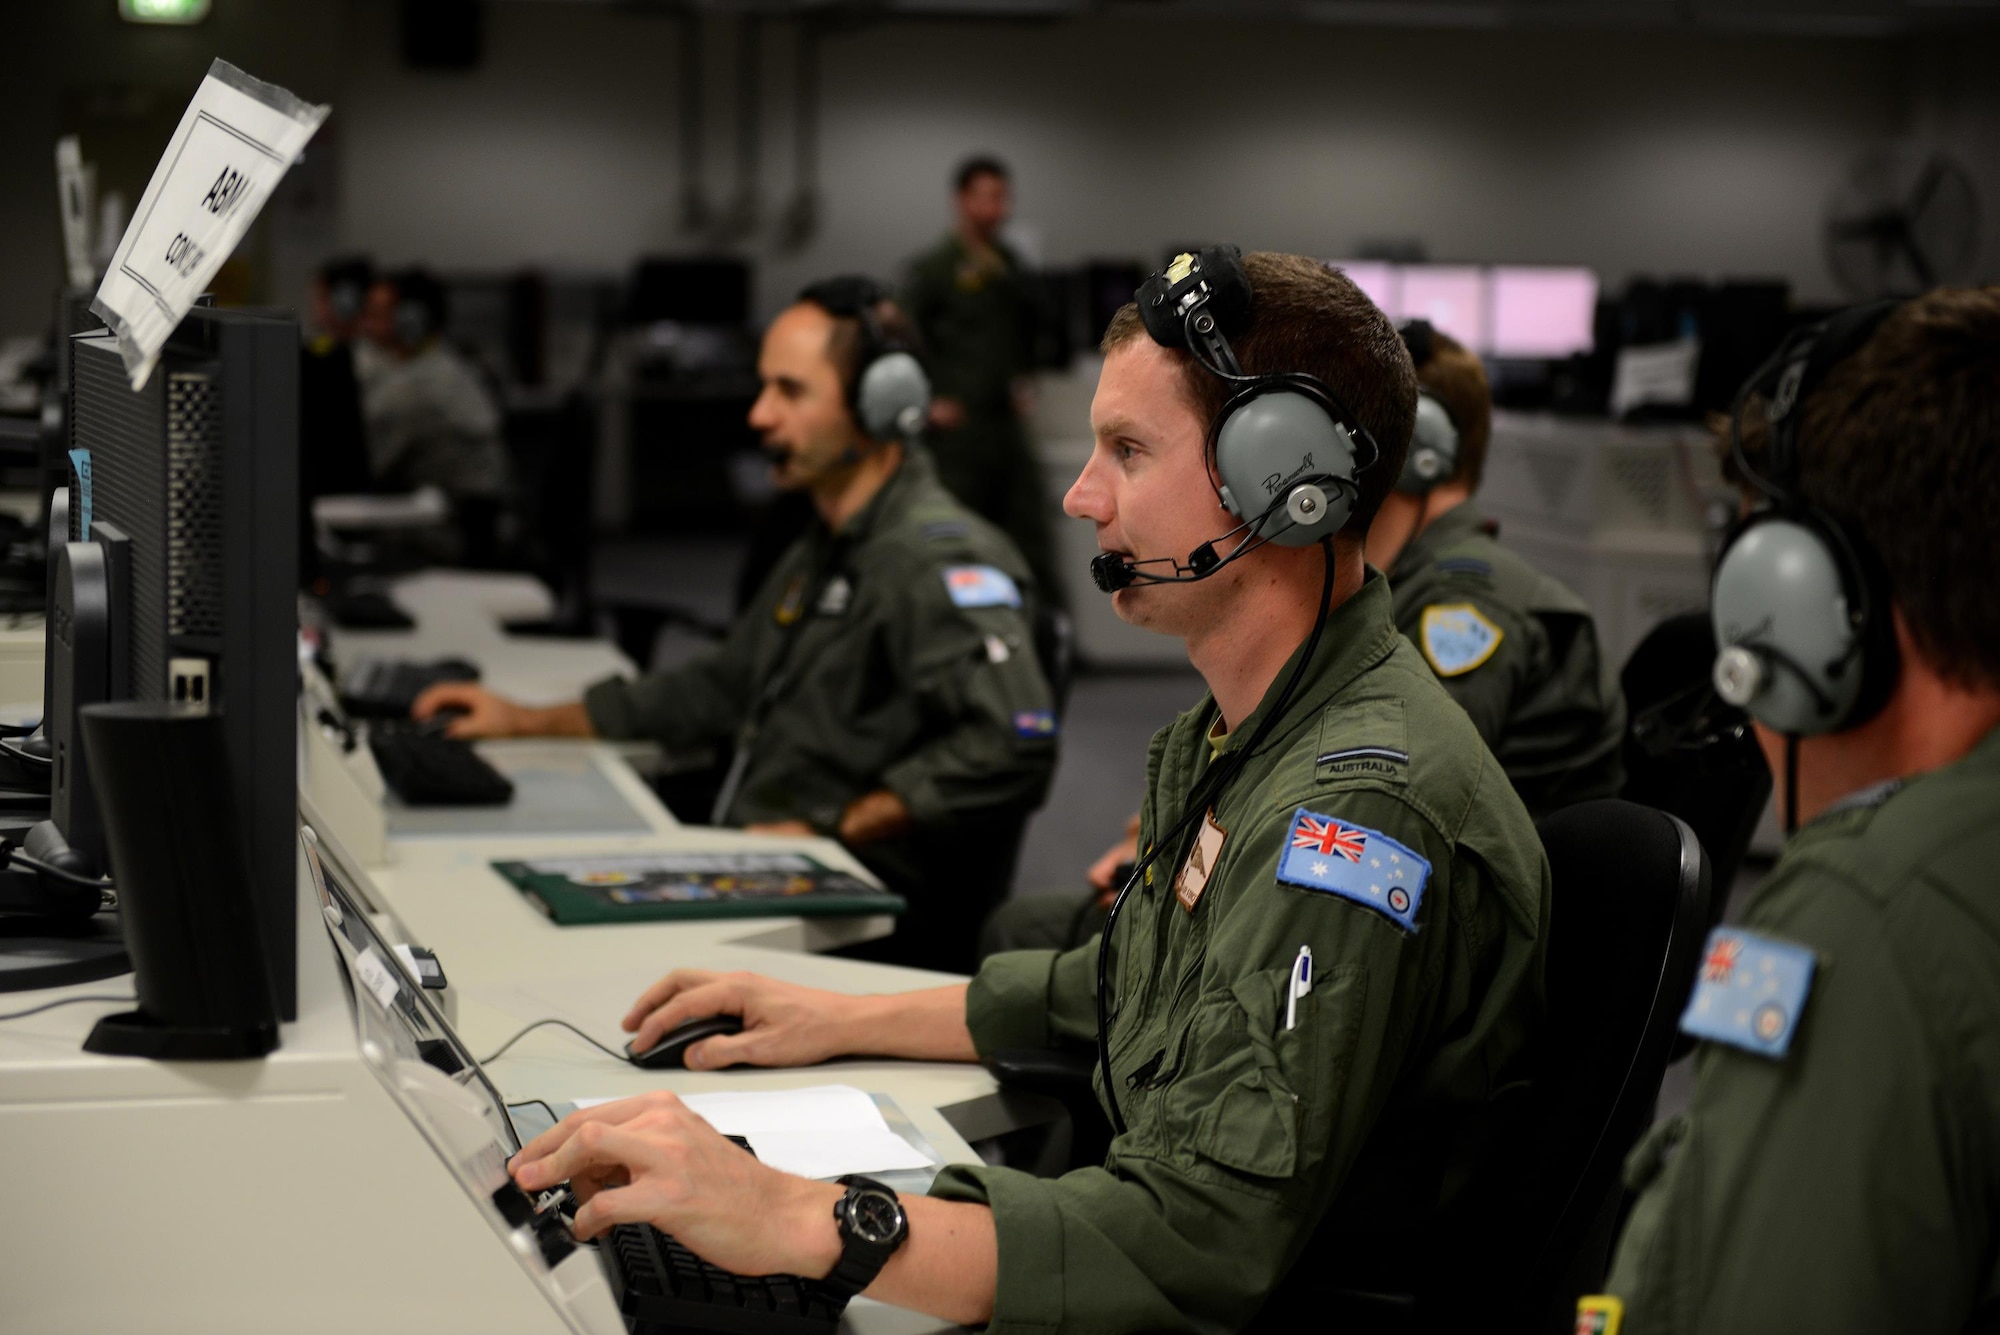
(1515, 648)
(1839, 1168)
(1279, 1118)
(977, 308)
(883, 686)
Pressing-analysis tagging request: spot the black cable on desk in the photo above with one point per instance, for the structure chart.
(562, 1024)
(67, 1001)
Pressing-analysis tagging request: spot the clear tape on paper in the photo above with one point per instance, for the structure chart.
(234, 144)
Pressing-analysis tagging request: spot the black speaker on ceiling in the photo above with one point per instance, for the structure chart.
(443, 34)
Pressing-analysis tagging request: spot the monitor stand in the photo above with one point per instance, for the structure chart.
(50, 952)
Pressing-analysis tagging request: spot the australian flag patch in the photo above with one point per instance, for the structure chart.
(1750, 992)
(981, 586)
(1354, 862)
(1035, 723)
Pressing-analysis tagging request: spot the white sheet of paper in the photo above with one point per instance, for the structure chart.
(822, 1131)
(234, 143)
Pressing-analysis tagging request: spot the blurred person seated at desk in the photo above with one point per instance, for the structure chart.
(1514, 648)
(333, 447)
(430, 415)
(882, 687)
(1838, 1169)
(977, 308)
(1273, 1143)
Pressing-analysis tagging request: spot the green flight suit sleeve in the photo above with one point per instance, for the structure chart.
(1238, 1143)
(703, 701)
(990, 715)
(1824, 1191)
(1487, 689)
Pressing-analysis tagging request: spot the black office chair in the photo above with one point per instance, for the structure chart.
(1055, 650)
(1687, 752)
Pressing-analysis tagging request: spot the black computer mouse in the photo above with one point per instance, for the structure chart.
(670, 1052)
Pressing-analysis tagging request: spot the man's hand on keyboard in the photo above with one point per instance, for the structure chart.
(481, 713)
(651, 1160)
(783, 1024)
(484, 713)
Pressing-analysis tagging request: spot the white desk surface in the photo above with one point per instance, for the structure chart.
(459, 614)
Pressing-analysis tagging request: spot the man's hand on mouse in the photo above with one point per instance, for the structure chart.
(481, 713)
(783, 1024)
(651, 1159)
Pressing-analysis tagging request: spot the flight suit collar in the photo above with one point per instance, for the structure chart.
(1462, 521)
(892, 502)
(1359, 634)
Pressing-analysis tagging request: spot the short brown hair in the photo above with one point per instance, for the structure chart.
(1901, 442)
(1310, 319)
(1455, 377)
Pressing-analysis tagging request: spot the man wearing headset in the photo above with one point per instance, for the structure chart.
(1325, 977)
(882, 687)
(1516, 649)
(430, 416)
(1839, 1169)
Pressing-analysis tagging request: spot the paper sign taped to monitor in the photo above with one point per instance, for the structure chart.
(233, 145)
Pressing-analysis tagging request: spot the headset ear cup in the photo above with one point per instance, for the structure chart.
(1805, 639)
(1433, 452)
(1268, 443)
(893, 397)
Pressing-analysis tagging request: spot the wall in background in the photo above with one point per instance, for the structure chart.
(1633, 152)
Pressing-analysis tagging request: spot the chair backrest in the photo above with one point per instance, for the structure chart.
(1630, 909)
(1688, 753)
(1055, 650)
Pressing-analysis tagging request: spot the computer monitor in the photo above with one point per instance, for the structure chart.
(1451, 296)
(1543, 312)
(199, 471)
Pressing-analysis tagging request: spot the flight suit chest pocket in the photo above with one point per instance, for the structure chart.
(1232, 1101)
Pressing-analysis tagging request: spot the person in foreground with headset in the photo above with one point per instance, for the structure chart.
(882, 687)
(1517, 650)
(1316, 979)
(1839, 1168)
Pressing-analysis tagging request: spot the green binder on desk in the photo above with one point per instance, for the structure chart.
(684, 887)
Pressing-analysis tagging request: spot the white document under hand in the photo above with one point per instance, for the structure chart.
(823, 1131)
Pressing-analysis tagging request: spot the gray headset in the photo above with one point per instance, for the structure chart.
(1433, 452)
(889, 394)
(1799, 600)
(1282, 450)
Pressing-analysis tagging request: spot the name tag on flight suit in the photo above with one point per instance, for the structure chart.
(1200, 864)
(1750, 992)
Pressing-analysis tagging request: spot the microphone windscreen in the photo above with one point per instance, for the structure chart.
(1110, 572)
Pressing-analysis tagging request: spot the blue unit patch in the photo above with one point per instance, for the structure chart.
(1329, 854)
(1035, 723)
(1750, 992)
(1457, 637)
(981, 586)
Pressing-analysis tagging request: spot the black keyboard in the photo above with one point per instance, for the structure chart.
(427, 769)
(663, 1287)
(387, 687)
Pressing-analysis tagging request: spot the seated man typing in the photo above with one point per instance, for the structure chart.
(883, 686)
(1318, 980)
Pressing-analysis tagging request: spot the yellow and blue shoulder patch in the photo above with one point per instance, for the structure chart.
(981, 586)
(1599, 1314)
(1337, 857)
(1750, 992)
(1457, 637)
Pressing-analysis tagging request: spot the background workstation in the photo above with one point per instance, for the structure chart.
(617, 195)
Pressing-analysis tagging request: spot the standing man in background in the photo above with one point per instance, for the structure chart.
(976, 308)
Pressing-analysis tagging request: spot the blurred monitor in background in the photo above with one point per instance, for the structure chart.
(1452, 298)
(1542, 312)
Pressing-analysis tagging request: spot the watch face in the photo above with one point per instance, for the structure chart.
(875, 1216)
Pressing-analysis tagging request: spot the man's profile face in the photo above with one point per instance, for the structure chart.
(1147, 488)
(801, 412)
(985, 203)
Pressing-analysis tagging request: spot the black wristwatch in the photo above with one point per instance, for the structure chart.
(872, 1226)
